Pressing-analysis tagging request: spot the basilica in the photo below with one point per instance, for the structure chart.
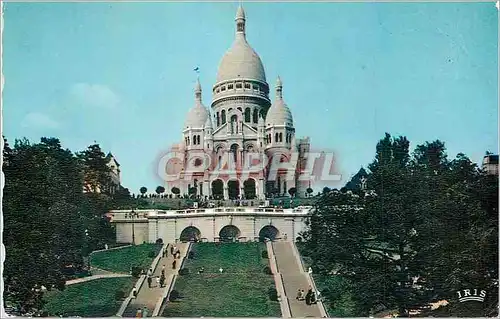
(242, 119)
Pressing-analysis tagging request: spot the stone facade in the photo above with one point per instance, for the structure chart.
(242, 224)
(220, 152)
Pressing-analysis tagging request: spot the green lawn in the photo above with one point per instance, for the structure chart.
(121, 260)
(94, 298)
(240, 291)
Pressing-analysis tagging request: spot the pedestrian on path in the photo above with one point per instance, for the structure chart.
(221, 270)
(134, 292)
(150, 272)
(310, 271)
(163, 251)
(138, 314)
(174, 263)
(150, 281)
(145, 312)
(162, 281)
(299, 294)
(308, 296)
(178, 254)
(172, 250)
(163, 270)
(157, 281)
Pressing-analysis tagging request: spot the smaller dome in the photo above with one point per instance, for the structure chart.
(279, 113)
(208, 123)
(198, 114)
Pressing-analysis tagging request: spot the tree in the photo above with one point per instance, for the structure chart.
(426, 228)
(160, 190)
(96, 170)
(43, 231)
(292, 191)
(309, 191)
(143, 190)
(176, 190)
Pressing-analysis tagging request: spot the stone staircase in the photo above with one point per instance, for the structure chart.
(293, 278)
(148, 297)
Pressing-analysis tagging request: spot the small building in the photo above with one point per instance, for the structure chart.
(490, 164)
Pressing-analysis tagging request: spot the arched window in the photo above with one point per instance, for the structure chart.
(234, 150)
(276, 137)
(281, 137)
(218, 119)
(255, 116)
(247, 115)
(223, 116)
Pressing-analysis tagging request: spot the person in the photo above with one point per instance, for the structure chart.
(163, 270)
(174, 250)
(308, 296)
(106, 246)
(171, 250)
(150, 272)
(162, 281)
(174, 263)
(150, 281)
(138, 314)
(178, 255)
(221, 270)
(299, 294)
(202, 269)
(313, 297)
(157, 281)
(145, 312)
(310, 270)
(134, 292)
(302, 294)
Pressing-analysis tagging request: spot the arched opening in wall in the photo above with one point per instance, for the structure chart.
(249, 188)
(247, 115)
(255, 116)
(234, 151)
(223, 116)
(218, 189)
(218, 119)
(191, 234)
(233, 188)
(229, 233)
(234, 124)
(270, 232)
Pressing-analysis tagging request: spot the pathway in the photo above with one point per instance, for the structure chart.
(293, 278)
(94, 277)
(149, 296)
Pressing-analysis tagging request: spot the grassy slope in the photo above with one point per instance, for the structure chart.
(120, 260)
(94, 298)
(240, 291)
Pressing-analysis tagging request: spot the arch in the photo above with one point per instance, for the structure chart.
(234, 124)
(218, 119)
(255, 116)
(229, 233)
(249, 188)
(234, 151)
(217, 189)
(247, 115)
(233, 188)
(281, 137)
(223, 116)
(276, 135)
(270, 232)
(190, 233)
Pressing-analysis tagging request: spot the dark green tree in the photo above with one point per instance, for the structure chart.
(160, 190)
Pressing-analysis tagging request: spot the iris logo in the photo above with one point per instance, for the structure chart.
(466, 295)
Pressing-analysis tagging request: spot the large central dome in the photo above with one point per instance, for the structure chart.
(241, 61)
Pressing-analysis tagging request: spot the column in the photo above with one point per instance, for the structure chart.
(261, 189)
(205, 189)
(226, 192)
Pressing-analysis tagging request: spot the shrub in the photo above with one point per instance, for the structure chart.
(119, 294)
(298, 239)
(273, 294)
(174, 295)
(152, 254)
(136, 271)
(159, 241)
(267, 270)
(264, 254)
(184, 271)
(191, 255)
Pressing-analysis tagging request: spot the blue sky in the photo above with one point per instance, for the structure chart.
(122, 73)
